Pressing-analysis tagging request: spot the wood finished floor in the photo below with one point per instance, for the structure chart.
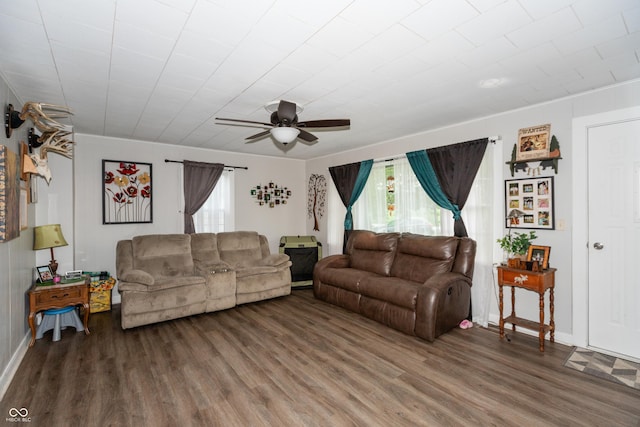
(296, 361)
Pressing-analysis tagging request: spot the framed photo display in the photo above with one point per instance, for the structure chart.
(529, 203)
(126, 192)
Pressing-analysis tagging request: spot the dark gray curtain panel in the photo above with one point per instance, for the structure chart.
(349, 180)
(199, 181)
(456, 167)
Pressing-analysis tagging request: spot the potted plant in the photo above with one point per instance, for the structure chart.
(516, 246)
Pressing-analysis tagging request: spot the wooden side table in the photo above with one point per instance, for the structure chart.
(533, 281)
(43, 297)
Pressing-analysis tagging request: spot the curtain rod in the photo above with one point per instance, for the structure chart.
(226, 166)
(387, 160)
(492, 140)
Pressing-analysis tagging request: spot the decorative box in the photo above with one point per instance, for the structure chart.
(100, 291)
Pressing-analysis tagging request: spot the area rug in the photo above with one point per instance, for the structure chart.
(603, 366)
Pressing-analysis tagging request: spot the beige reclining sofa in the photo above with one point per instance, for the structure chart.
(168, 276)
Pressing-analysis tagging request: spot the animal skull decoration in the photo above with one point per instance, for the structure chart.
(55, 136)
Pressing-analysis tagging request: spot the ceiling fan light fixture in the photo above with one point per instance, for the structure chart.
(272, 107)
(285, 135)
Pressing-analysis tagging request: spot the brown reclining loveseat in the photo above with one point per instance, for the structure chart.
(420, 285)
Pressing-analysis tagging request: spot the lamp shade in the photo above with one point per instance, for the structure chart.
(48, 236)
(515, 213)
(284, 134)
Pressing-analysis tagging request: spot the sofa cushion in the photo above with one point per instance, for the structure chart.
(394, 290)
(204, 249)
(254, 270)
(163, 255)
(239, 247)
(166, 298)
(420, 257)
(137, 276)
(345, 278)
(371, 251)
(177, 282)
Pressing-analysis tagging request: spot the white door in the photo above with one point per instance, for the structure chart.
(614, 237)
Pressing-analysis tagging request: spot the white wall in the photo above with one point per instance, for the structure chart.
(95, 243)
(17, 262)
(560, 114)
(55, 206)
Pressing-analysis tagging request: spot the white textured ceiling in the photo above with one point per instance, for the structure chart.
(162, 70)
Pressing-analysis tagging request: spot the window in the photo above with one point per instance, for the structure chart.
(393, 200)
(216, 214)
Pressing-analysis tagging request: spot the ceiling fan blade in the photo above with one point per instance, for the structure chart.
(324, 123)
(308, 143)
(252, 138)
(287, 112)
(307, 138)
(243, 121)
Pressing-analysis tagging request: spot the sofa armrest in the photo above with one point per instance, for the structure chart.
(443, 302)
(137, 276)
(441, 281)
(275, 260)
(334, 261)
(132, 287)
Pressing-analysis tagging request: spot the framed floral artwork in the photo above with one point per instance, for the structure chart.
(126, 192)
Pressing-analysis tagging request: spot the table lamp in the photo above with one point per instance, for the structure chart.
(49, 237)
(513, 216)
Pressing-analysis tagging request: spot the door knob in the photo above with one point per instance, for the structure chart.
(598, 246)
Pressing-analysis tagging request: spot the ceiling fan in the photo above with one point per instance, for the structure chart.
(285, 127)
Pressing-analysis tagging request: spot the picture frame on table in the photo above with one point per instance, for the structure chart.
(44, 273)
(540, 254)
(534, 198)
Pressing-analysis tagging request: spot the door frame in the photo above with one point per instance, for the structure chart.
(580, 229)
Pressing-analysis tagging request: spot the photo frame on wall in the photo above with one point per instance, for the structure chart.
(533, 143)
(529, 203)
(126, 192)
(9, 195)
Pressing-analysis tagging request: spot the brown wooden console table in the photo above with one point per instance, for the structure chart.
(533, 281)
(43, 297)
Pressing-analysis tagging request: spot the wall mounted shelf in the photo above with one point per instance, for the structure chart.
(545, 162)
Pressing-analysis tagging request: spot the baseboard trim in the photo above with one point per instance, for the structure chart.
(14, 363)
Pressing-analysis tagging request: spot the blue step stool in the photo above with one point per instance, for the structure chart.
(58, 319)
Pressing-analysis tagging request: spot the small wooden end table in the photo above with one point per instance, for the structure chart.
(533, 281)
(43, 297)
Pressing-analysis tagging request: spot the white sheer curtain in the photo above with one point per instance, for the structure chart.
(370, 210)
(413, 211)
(216, 215)
(479, 215)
